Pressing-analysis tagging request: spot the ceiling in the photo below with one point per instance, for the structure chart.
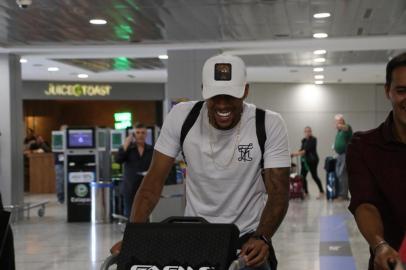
(274, 37)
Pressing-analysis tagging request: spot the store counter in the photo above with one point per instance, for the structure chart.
(41, 172)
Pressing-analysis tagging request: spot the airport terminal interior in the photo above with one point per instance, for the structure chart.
(79, 76)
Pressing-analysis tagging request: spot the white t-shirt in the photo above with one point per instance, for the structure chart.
(217, 189)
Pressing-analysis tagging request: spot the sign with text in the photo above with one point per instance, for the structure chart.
(78, 90)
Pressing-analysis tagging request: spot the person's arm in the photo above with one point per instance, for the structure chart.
(366, 205)
(369, 223)
(277, 186)
(150, 190)
(298, 153)
(122, 153)
(302, 150)
(343, 127)
(130, 139)
(276, 180)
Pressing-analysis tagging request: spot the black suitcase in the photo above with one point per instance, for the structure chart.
(179, 243)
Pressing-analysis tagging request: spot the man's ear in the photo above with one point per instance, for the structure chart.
(387, 91)
(246, 91)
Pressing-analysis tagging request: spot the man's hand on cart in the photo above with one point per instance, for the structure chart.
(385, 257)
(116, 248)
(255, 252)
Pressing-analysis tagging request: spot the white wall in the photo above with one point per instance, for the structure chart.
(364, 107)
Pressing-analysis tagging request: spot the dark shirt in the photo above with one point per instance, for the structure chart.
(376, 165)
(133, 162)
(309, 145)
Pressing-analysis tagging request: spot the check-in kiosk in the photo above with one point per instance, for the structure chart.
(81, 169)
(58, 141)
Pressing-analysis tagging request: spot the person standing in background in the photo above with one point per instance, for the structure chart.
(309, 160)
(136, 156)
(343, 137)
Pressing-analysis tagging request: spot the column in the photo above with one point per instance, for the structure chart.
(11, 129)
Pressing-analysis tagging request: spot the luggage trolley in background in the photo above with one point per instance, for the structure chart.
(188, 242)
(296, 181)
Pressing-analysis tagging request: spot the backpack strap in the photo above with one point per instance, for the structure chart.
(261, 133)
(189, 122)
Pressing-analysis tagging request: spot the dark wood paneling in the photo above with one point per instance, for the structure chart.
(44, 116)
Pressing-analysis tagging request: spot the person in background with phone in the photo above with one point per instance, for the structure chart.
(136, 155)
(376, 161)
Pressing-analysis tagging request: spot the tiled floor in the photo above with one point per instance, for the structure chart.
(51, 243)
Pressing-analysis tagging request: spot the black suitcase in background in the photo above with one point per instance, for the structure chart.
(178, 242)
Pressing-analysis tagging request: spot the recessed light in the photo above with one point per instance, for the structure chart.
(320, 35)
(318, 69)
(23, 60)
(53, 69)
(83, 76)
(319, 60)
(318, 52)
(321, 15)
(318, 82)
(319, 77)
(98, 21)
(163, 56)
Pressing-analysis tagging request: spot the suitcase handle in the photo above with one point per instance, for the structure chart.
(185, 220)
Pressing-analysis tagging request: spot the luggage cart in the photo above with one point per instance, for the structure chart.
(26, 207)
(176, 239)
(296, 181)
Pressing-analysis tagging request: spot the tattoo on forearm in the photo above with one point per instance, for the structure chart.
(277, 185)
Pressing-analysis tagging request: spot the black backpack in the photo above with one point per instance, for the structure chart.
(194, 114)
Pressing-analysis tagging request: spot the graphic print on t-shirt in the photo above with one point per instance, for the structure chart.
(244, 150)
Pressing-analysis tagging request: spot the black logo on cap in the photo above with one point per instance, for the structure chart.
(222, 72)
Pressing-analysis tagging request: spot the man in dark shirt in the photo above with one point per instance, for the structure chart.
(376, 162)
(136, 156)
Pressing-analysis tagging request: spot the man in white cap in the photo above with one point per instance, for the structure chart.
(225, 181)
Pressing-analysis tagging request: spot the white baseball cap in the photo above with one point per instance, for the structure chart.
(224, 75)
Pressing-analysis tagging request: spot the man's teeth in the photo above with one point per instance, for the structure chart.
(224, 114)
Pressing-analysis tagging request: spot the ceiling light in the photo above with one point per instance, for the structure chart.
(163, 56)
(319, 77)
(83, 76)
(98, 21)
(321, 15)
(318, 52)
(320, 35)
(318, 69)
(23, 60)
(318, 82)
(53, 69)
(319, 60)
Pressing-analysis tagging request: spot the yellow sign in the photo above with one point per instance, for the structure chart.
(78, 90)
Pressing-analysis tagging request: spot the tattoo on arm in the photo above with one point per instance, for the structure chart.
(277, 185)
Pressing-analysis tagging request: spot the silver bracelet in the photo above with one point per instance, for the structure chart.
(377, 246)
